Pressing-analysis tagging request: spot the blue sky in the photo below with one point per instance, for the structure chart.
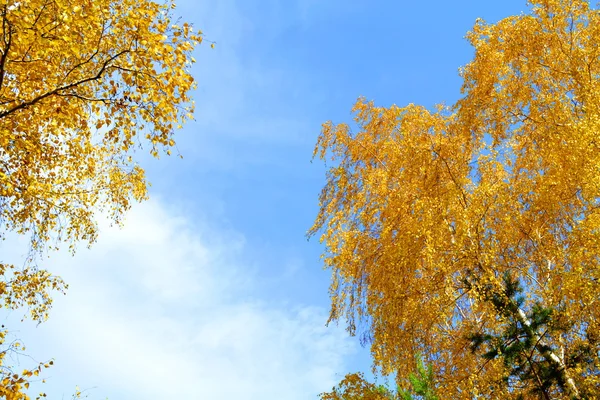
(211, 290)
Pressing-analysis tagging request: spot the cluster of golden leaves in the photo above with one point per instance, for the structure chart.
(13, 386)
(82, 84)
(355, 387)
(506, 180)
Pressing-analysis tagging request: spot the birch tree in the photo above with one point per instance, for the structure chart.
(432, 218)
(83, 84)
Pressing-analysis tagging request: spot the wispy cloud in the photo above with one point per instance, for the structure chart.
(248, 106)
(165, 308)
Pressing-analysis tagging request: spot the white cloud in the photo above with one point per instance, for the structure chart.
(165, 309)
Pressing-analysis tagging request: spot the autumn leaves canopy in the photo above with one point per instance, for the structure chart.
(82, 84)
(469, 235)
(426, 215)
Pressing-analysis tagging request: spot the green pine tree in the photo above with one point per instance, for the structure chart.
(525, 345)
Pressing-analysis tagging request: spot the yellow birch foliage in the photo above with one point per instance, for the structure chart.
(355, 387)
(507, 180)
(83, 83)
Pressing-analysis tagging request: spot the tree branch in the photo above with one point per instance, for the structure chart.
(7, 43)
(29, 103)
